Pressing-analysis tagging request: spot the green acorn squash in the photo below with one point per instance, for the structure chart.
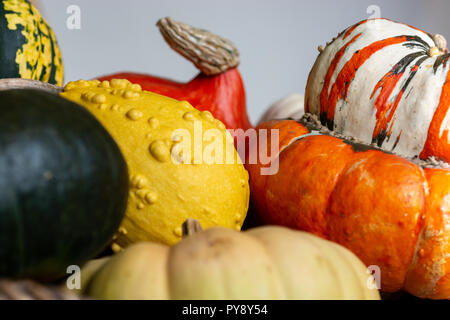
(28, 47)
(63, 185)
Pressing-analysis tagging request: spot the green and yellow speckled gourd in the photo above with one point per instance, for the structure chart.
(28, 47)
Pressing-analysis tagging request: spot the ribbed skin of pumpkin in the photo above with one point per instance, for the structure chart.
(380, 81)
(262, 263)
(387, 210)
(28, 46)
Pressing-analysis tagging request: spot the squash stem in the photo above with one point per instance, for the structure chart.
(211, 54)
(190, 227)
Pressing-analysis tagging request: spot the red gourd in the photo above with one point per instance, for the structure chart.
(218, 88)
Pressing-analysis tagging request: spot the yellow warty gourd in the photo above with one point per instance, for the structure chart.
(178, 160)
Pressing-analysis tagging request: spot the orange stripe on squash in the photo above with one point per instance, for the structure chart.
(324, 96)
(348, 72)
(385, 111)
(352, 28)
(437, 144)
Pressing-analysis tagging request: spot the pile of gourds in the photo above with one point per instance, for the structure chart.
(140, 164)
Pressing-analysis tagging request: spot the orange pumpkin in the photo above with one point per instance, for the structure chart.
(389, 211)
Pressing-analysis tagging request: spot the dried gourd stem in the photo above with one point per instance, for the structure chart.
(440, 42)
(18, 83)
(440, 47)
(190, 227)
(29, 290)
(210, 53)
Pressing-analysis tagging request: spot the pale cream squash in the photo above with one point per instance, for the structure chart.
(262, 263)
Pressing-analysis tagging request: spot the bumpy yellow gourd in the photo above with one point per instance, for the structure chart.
(168, 182)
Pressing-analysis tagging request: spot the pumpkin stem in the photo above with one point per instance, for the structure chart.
(210, 53)
(190, 227)
(441, 46)
(19, 83)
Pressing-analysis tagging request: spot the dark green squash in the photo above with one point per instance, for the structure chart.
(28, 47)
(63, 185)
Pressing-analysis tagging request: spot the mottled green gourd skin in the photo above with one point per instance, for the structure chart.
(28, 46)
(63, 185)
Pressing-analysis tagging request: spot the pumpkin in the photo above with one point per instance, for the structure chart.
(391, 212)
(28, 46)
(63, 185)
(219, 263)
(218, 88)
(181, 161)
(385, 83)
(289, 107)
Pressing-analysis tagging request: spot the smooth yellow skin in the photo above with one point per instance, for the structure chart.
(164, 192)
(219, 263)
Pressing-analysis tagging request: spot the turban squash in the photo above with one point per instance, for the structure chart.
(385, 83)
(28, 47)
(262, 263)
(343, 178)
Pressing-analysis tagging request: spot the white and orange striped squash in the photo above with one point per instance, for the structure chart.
(387, 83)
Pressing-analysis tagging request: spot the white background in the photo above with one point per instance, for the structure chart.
(277, 39)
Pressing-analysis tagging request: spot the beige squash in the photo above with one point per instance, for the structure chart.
(262, 263)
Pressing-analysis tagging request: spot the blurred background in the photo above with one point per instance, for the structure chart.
(277, 39)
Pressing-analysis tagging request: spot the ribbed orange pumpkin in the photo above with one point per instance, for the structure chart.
(389, 211)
